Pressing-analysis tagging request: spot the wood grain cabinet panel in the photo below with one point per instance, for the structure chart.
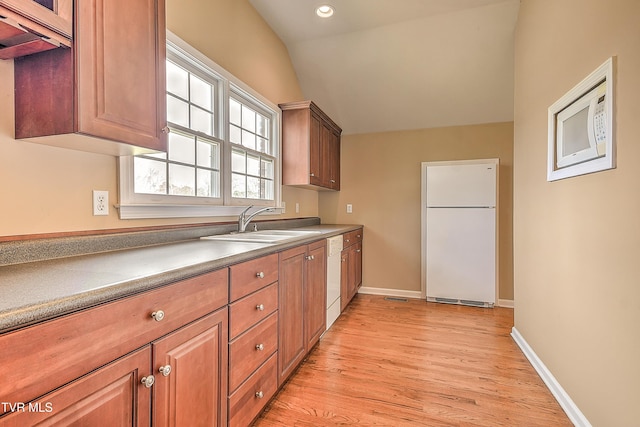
(110, 396)
(109, 86)
(351, 266)
(251, 309)
(310, 147)
(250, 276)
(248, 400)
(315, 293)
(190, 367)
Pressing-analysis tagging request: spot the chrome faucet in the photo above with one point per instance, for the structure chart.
(243, 219)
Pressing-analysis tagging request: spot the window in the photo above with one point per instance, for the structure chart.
(223, 146)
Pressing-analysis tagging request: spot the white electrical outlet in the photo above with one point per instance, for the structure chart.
(349, 208)
(100, 202)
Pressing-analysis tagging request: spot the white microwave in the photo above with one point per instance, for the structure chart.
(580, 138)
(581, 129)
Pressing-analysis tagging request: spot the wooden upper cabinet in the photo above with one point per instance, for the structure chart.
(28, 26)
(310, 147)
(106, 93)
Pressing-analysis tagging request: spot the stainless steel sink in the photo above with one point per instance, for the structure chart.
(264, 236)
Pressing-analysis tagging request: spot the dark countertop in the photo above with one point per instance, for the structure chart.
(35, 291)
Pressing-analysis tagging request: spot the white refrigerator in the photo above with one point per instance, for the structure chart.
(460, 248)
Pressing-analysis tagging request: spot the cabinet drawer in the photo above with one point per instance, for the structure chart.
(352, 237)
(253, 275)
(251, 349)
(251, 309)
(42, 357)
(247, 402)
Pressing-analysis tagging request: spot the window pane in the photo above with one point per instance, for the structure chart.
(253, 165)
(248, 119)
(238, 185)
(263, 146)
(266, 168)
(177, 111)
(182, 180)
(208, 183)
(177, 80)
(235, 135)
(267, 189)
(201, 121)
(181, 148)
(234, 112)
(253, 187)
(263, 126)
(150, 176)
(248, 140)
(201, 93)
(208, 154)
(238, 161)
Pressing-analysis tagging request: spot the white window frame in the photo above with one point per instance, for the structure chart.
(138, 206)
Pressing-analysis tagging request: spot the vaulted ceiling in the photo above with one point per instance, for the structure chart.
(385, 65)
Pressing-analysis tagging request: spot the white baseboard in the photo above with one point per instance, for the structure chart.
(390, 292)
(570, 408)
(506, 303)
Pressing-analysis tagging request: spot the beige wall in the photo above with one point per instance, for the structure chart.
(381, 179)
(577, 241)
(45, 189)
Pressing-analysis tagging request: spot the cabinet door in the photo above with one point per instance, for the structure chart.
(344, 280)
(110, 396)
(315, 312)
(190, 367)
(358, 265)
(334, 160)
(120, 53)
(291, 348)
(315, 151)
(325, 156)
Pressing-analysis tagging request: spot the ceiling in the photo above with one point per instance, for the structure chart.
(388, 65)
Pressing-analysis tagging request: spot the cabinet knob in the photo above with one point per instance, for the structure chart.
(358, 250)
(166, 129)
(165, 370)
(259, 394)
(157, 315)
(260, 275)
(359, 236)
(148, 381)
(260, 347)
(260, 307)
(347, 241)
(310, 257)
(333, 181)
(312, 174)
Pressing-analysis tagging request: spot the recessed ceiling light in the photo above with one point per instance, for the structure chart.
(324, 11)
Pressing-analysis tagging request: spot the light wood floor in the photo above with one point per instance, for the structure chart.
(414, 363)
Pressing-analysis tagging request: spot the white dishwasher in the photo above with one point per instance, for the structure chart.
(334, 251)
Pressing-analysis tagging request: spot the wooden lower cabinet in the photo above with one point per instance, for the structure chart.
(351, 267)
(190, 367)
(303, 304)
(291, 346)
(111, 396)
(315, 293)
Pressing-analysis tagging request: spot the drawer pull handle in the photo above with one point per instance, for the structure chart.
(260, 275)
(157, 315)
(148, 381)
(260, 347)
(259, 394)
(260, 307)
(358, 250)
(165, 370)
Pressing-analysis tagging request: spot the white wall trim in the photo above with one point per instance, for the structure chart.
(506, 303)
(390, 292)
(573, 412)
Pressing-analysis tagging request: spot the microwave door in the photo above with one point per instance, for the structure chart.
(575, 138)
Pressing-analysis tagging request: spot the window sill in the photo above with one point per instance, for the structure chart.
(181, 211)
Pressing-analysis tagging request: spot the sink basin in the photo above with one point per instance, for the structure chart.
(264, 236)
